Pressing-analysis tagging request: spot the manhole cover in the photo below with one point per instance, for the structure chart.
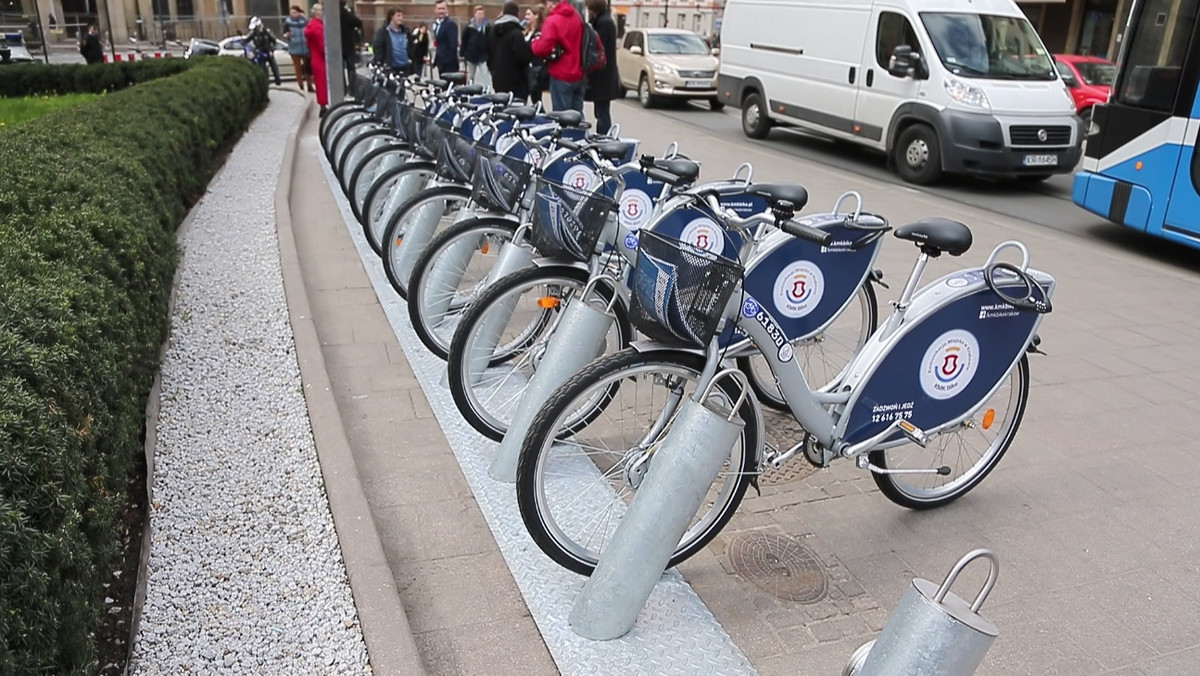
(779, 565)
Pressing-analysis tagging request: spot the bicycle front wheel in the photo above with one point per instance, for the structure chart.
(414, 225)
(578, 474)
(450, 275)
(970, 449)
(389, 191)
(500, 340)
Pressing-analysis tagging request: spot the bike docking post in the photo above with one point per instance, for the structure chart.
(512, 257)
(933, 632)
(576, 341)
(684, 466)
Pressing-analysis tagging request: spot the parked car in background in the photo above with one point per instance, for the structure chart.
(13, 50)
(198, 47)
(661, 63)
(1089, 78)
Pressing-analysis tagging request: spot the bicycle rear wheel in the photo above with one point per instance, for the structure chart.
(575, 480)
(970, 449)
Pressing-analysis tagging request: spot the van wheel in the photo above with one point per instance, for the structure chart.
(715, 103)
(918, 155)
(755, 122)
(645, 96)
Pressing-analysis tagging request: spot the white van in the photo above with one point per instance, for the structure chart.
(960, 86)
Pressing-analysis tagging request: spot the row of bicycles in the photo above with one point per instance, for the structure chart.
(581, 290)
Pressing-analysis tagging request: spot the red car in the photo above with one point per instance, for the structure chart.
(1089, 78)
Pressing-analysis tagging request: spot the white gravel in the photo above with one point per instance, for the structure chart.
(245, 572)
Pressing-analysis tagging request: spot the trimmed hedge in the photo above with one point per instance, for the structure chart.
(89, 203)
(32, 79)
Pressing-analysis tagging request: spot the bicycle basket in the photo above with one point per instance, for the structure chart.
(428, 133)
(402, 119)
(456, 157)
(499, 180)
(680, 291)
(568, 222)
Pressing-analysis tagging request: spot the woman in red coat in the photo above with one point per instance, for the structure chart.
(314, 35)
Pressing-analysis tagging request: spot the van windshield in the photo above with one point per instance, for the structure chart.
(677, 43)
(987, 46)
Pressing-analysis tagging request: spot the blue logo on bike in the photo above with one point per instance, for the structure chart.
(631, 240)
(751, 308)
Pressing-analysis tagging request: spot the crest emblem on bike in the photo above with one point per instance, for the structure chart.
(949, 364)
(703, 233)
(636, 209)
(579, 177)
(798, 289)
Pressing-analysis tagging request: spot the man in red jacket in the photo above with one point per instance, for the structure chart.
(560, 45)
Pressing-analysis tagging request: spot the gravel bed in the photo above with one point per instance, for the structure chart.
(245, 572)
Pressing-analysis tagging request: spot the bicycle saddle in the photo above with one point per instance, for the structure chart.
(453, 77)
(566, 118)
(438, 83)
(687, 170)
(498, 97)
(521, 113)
(467, 90)
(780, 193)
(935, 235)
(613, 151)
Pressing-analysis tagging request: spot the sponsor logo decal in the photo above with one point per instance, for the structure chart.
(631, 240)
(949, 364)
(798, 289)
(751, 308)
(636, 209)
(579, 177)
(704, 234)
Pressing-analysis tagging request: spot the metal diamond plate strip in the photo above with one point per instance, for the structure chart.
(675, 633)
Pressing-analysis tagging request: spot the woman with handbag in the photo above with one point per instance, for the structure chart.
(539, 78)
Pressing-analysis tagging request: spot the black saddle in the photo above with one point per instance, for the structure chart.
(787, 195)
(439, 83)
(453, 77)
(467, 90)
(687, 170)
(613, 150)
(498, 97)
(521, 113)
(566, 118)
(935, 235)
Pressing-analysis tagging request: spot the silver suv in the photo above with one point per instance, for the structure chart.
(662, 63)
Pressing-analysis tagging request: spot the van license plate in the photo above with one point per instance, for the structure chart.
(1041, 160)
(697, 84)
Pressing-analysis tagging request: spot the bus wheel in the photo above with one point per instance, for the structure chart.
(918, 155)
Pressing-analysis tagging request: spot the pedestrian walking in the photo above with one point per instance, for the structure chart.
(90, 47)
(314, 35)
(420, 48)
(261, 45)
(538, 78)
(604, 85)
(445, 40)
(393, 44)
(509, 55)
(352, 39)
(475, 48)
(560, 44)
(293, 32)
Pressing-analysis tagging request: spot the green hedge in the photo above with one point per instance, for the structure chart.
(89, 203)
(32, 79)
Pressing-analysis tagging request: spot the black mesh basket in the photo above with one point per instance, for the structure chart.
(568, 222)
(428, 134)
(402, 119)
(680, 291)
(455, 157)
(499, 180)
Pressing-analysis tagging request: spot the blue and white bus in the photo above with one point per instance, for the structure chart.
(1141, 168)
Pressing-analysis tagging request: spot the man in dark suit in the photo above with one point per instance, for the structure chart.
(352, 38)
(445, 39)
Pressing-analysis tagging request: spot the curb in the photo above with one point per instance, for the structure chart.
(391, 647)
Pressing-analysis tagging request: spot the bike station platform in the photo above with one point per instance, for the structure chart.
(1089, 512)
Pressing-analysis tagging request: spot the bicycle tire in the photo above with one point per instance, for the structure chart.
(355, 151)
(363, 177)
(393, 237)
(376, 214)
(540, 453)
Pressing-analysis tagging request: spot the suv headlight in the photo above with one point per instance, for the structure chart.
(967, 94)
(663, 69)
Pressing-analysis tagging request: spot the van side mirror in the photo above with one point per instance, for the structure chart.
(901, 63)
(635, 50)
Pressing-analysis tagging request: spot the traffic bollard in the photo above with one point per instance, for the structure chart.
(933, 632)
(577, 340)
(682, 471)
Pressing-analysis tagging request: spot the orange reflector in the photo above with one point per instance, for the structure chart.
(548, 302)
(989, 418)
(1138, 166)
(484, 249)
(399, 240)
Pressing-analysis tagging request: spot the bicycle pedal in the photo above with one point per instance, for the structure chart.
(913, 433)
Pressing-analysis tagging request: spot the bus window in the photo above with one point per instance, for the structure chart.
(1154, 58)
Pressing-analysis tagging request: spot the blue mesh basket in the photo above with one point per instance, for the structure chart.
(500, 178)
(568, 222)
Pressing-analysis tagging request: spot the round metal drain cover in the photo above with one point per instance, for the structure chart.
(779, 565)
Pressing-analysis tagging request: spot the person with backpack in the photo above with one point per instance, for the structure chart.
(261, 44)
(604, 83)
(561, 45)
(508, 57)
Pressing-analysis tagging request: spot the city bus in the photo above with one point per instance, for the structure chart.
(1140, 168)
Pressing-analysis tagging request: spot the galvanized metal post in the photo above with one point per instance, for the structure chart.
(512, 257)
(682, 471)
(578, 339)
(334, 66)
